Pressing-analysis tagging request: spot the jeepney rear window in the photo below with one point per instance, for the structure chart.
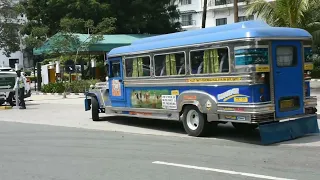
(209, 61)
(170, 64)
(286, 56)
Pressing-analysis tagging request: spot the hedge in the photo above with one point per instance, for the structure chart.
(74, 87)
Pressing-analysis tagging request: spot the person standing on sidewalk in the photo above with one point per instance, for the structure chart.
(21, 81)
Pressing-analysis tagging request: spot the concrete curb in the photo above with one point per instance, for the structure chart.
(57, 94)
(5, 107)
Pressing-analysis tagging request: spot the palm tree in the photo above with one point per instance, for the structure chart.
(303, 14)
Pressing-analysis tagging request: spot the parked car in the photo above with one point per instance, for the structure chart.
(7, 82)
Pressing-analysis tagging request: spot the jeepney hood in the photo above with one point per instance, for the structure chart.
(7, 80)
(101, 85)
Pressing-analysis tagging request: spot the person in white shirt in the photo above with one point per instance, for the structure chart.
(21, 81)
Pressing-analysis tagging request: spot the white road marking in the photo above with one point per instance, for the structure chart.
(221, 171)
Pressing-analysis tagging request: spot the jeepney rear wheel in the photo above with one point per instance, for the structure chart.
(94, 109)
(194, 122)
(244, 127)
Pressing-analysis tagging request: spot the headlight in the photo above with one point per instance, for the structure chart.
(91, 86)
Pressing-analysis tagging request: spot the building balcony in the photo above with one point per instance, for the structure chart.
(220, 4)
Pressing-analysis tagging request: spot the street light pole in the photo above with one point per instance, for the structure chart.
(235, 9)
(204, 13)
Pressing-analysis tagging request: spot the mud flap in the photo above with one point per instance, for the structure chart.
(288, 130)
(86, 105)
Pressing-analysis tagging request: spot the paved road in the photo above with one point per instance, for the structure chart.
(49, 110)
(39, 152)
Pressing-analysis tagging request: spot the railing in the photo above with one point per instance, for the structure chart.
(188, 23)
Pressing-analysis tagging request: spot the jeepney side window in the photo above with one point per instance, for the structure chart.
(170, 64)
(115, 69)
(209, 61)
(138, 67)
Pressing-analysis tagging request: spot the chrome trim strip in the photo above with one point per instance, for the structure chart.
(251, 46)
(246, 106)
(143, 110)
(243, 112)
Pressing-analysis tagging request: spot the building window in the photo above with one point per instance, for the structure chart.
(209, 61)
(220, 2)
(138, 67)
(187, 20)
(185, 2)
(221, 21)
(170, 64)
(245, 18)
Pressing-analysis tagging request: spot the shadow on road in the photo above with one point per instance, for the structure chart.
(224, 131)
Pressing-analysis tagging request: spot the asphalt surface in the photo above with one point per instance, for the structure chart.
(32, 152)
(75, 147)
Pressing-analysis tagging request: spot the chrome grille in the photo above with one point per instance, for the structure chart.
(262, 117)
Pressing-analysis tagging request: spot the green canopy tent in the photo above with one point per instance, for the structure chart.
(52, 45)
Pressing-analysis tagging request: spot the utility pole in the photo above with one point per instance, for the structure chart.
(204, 13)
(235, 9)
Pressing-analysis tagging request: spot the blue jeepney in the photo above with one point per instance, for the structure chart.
(247, 73)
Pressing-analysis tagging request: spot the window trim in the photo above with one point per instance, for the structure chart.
(132, 57)
(220, 47)
(173, 52)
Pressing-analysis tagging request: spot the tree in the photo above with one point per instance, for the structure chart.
(145, 16)
(9, 28)
(303, 14)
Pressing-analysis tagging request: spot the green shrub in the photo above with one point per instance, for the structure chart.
(53, 88)
(315, 73)
(32, 78)
(73, 87)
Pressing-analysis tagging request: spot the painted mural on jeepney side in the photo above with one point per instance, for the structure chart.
(148, 98)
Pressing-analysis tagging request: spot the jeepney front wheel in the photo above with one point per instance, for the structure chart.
(194, 122)
(94, 109)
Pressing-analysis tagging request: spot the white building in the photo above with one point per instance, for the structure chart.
(219, 12)
(16, 57)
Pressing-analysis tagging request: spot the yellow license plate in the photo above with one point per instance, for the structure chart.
(286, 104)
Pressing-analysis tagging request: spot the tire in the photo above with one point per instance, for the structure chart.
(244, 127)
(2, 102)
(94, 109)
(194, 122)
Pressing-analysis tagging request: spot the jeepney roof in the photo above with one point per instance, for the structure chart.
(241, 30)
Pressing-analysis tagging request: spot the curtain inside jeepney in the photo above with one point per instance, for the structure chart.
(171, 65)
(137, 67)
(210, 61)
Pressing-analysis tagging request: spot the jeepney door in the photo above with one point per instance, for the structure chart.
(116, 87)
(288, 78)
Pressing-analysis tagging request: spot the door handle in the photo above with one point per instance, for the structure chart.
(278, 72)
